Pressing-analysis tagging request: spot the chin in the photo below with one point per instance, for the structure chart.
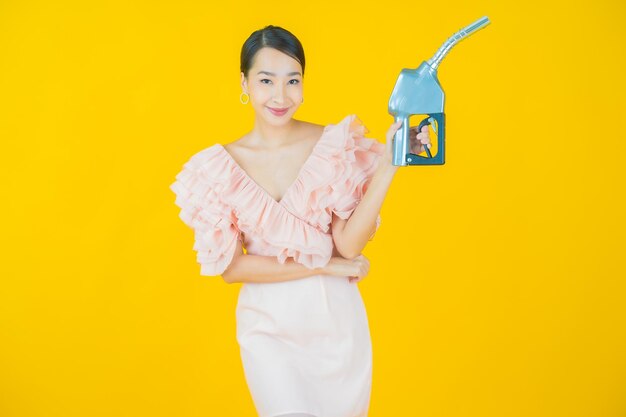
(283, 121)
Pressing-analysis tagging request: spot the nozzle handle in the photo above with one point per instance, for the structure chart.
(423, 123)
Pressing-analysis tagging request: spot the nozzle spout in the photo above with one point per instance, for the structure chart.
(454, 39)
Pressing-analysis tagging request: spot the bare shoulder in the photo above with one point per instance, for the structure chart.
(310, 125)
(236, 144)
(240, 146)
(310, 131)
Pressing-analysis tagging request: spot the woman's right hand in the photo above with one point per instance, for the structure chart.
(355, 269)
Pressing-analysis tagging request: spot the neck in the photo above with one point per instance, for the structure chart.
(272, 136)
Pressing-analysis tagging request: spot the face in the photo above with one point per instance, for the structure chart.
(280, 89)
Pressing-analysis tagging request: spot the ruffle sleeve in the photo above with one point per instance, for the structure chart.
(197, 189)
(362, 154)
(338, 174)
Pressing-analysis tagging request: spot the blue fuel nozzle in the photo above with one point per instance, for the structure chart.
(417, 91)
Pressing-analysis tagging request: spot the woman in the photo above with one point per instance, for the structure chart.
(288, 192)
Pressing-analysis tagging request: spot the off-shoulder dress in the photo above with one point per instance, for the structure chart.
(305, 344)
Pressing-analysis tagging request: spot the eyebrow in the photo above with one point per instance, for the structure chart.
(272, 74)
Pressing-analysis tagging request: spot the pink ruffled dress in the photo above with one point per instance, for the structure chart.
(305, 344)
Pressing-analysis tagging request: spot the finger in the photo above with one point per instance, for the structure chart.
(423, 138)
(393, 129)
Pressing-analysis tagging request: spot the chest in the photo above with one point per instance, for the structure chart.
(276, 170)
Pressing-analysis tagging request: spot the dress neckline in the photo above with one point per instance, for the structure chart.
(293, 183)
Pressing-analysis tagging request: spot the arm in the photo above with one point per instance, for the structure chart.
(351, 235)
(257, 268)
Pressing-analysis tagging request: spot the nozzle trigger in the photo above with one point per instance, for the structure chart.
(433, 124)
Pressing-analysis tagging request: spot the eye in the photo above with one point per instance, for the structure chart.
(296, 81)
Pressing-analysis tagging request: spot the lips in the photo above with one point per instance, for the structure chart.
(278, 112)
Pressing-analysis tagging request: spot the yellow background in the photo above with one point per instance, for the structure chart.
(497, 280)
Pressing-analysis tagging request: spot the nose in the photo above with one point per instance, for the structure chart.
(279, 94)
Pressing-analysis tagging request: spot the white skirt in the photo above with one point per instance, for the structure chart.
(305, 347)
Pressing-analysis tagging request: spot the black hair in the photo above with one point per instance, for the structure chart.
(273, 37)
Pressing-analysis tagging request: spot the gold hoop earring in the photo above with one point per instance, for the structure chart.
(241, 98)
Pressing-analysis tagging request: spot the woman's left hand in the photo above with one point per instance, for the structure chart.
(416, 145)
